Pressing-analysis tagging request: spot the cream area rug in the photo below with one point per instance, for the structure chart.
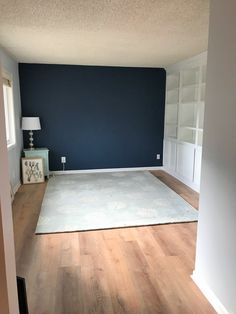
(110, 200)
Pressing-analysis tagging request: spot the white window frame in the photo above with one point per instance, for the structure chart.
(9, 110)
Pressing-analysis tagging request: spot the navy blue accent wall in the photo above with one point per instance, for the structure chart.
(98, 117)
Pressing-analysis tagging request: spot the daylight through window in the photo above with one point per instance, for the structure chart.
(9, 112)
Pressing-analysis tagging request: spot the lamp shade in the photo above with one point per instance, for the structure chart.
(31, 123)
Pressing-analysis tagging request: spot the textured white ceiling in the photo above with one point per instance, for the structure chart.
(104, 32)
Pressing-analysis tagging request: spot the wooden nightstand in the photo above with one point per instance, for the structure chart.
(39, 152)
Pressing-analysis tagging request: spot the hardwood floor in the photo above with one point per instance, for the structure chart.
(183, 190)
(131, 270)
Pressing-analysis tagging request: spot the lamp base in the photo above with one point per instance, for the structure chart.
(31, 140)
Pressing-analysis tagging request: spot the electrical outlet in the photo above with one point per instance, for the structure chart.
(158, 156)
(63, 160)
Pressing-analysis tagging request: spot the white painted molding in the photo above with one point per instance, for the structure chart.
(188, 63)
(208, 293)
(16, 187)
(105, 170)
(189, 183)
(14, 190)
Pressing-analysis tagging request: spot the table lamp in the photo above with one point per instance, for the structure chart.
(31, 124)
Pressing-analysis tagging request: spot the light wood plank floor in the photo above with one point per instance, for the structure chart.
(131, 270)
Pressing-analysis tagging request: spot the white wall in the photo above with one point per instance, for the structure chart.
(215, 269)
(11, 66)
(9, 300)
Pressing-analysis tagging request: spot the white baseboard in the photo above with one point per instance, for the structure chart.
(189, 183)
(16, 187)
(105, 170)
(209, 294)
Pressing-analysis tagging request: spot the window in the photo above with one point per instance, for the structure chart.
(9, 112)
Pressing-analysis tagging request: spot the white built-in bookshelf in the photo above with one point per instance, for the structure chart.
(185, 95)
(184, 116)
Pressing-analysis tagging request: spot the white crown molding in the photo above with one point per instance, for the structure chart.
(199, 59)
